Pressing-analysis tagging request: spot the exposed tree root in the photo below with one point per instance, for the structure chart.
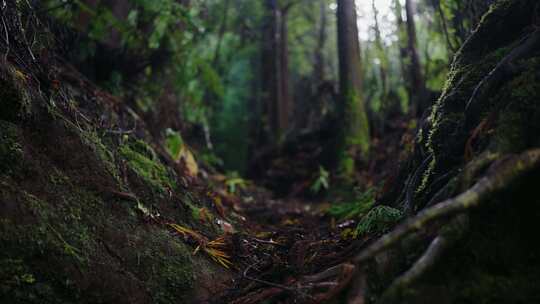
(451, 234)
(499, 177)
(413, 184)
(505, 67)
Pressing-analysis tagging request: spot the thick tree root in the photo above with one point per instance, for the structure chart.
(505, 67)
(450, 235)
(501, 174)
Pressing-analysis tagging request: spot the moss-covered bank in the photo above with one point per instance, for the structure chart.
(73, 197)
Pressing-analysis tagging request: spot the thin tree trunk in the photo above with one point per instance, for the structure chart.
(285, 99)
(321, 41)
(418, 94)
(222, 29)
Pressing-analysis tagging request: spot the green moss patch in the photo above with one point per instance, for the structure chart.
(142, 159)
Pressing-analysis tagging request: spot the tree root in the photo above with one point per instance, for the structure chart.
(452, 233)
(413, 184)
(501, 174)
(505, 67)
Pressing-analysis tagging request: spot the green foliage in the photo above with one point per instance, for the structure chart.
(354, 209)
(174, 143)
(322, 181)
(377, 220)
(234, 181)
(207, 56)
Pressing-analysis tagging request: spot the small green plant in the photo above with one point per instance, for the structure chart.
(322, 181)
(377, 220)
(174, 143)
(358, 207)
(234, 181)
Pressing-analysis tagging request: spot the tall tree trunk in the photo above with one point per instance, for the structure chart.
(354, 135)
(222, 29)
(284, 104)
(271, 83)
(418, 92)
(319, 69)
(402, 42)
(381, 53)
(275, 69)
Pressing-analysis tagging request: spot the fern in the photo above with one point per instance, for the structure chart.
(354, 209)
(322, 181)
(377, 220)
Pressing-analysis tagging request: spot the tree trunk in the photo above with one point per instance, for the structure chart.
(271, 84)
(417, 88)
(284, 104)
(354, 135)
(381, 54)
(319, 69)
(275, 70)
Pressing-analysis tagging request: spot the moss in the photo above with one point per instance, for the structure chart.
(354, 136)
(165, 264)
(101, 157)
(60, 243)
(510, 134)
(32, 248)
(521, 113)
(19, 282)
(11, 152)
(142, 159)
(357, 126)
(103, 153)
(505, 18)
(426, 176)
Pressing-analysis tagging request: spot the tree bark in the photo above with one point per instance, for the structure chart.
(381, 53)
(275, 70)
(271, 84)
(284, 105)
(417, 88)
(321, 41)
(354, 127)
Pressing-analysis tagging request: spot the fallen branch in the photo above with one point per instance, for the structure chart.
(502, 174)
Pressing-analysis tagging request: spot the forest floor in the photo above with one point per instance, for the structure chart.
(293, 249)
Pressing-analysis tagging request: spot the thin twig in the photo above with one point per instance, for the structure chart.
(267, 242)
